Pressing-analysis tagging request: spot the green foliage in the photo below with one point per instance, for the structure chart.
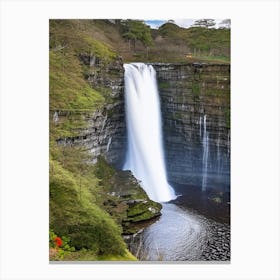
(137, 30)
(58, 254)
(74, 213)
(206, 23)
(79, 37)
(169, 43)
(195, 88)
(70, 92)
(89, 255)
(65, 242)
(76, 193)
(104, 171)
(205, 44)
(68, 89)
(170, 30)
(141, 211)
(163, 84)
(227, 116)
(204, 41)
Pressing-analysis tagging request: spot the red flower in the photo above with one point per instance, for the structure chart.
(58, 241)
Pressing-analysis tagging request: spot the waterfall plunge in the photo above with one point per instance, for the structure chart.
(145, 156)
(205, 142)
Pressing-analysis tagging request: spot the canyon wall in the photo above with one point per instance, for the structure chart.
(105, 130)
(195, 101)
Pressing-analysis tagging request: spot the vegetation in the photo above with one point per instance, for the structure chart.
(202, 43)
(133, 30)
(74, 210)
(86, 220)
(206, 23)
(135, 41)
(76, 216)
(69, 91)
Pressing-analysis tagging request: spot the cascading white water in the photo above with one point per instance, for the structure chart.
(200, 126)
(205, 154)
(218, 154)
(145, 157)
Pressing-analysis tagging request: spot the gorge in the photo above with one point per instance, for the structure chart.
(91, 141)
(195, 101)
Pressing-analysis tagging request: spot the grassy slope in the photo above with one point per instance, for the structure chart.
(172, 43)
(75, 191)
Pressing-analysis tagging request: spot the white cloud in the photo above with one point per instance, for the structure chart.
(189, 22)
(180, 22)
(184, 22)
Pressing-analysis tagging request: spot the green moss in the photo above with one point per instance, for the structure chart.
(177, 115)
(143, 211)
(196, 91)
(99, 49)
(217, 199)
(227, 117)
(163, 85)
(127, 257)
(215, 91)
(195, 88)
(68, 89)
(104, 171)
(70, 92)
(74, 209)
(89, 255)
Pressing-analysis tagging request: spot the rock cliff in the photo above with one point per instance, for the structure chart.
(104, 133)
(195, 101)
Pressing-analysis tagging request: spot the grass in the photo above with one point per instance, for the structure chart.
(70, 92)
(68, 89)
(88, 255)
(76, 194)
(74, 209)
(211, 59)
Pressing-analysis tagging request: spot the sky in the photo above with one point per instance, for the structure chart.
(155, 23)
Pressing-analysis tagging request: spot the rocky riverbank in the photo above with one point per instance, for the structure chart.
(217, 243)
(181, 234)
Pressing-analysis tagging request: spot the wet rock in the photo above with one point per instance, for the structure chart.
(188, 92)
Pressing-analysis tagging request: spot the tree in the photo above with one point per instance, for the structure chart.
(137, 30)
(225, 24)
(205, 23)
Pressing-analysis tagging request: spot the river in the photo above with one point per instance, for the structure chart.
(182, 235)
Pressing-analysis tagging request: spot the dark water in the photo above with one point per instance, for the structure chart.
(211, 203)
(194, 227)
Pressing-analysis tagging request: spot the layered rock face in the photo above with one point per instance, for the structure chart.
(105, 132)
(195, 101)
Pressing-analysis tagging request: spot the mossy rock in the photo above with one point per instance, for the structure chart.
(143, 210)
(124, 198)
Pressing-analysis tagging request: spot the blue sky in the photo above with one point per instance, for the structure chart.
(155, 23)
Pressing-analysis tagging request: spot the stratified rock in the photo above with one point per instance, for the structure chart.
(188, 93)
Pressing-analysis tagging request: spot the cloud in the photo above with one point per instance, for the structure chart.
(180, 22)
(184, 22)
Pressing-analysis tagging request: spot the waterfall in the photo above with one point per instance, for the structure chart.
(218, 154)
(228, 144)
(205, 154)
(200, 126)
(145, 157)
